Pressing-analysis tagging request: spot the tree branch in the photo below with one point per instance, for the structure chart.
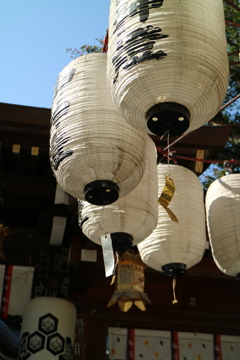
(232, 5)
(234, 63)
(234, 53)
(230, 23)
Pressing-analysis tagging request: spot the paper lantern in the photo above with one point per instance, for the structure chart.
(130, 219)
(130, 284)
(95, 155)
(222, 210)
(167, 63)
(48, 329)
(174, 247)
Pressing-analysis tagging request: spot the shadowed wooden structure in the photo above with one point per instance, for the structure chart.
(208, 300)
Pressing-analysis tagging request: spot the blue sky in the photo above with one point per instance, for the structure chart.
(34, 36)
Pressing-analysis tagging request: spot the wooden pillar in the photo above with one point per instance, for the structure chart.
(94, 339)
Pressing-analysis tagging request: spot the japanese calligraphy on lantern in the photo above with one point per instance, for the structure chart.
(62, 81)
(135, 35)
(57, 152)
(142, 7)
(59, 138)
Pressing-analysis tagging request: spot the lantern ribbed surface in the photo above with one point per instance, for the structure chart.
(167, 63)
(183, 242)
(89, 140)
(48, 329)
(222, 210)
(135, 214)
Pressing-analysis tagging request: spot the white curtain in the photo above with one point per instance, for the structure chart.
(167, 345)
(20, 288)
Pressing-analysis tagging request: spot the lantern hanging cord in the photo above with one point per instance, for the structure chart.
(168, 141)
(166, 133)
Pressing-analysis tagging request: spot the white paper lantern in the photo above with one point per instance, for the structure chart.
(174, 247)
(130, 219)
(48, 329)
(167, 62)
(95, 155)
(222, 210)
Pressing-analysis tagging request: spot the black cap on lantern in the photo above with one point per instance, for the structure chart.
(174, 269)
(101, 192)
(121, 241)
(168, 116)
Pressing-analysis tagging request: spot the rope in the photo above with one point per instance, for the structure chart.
(173, 156)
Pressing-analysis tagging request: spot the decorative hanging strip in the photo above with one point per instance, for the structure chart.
(131, 344)
(60, 212)
(6, 291)
(108, 254)
(175, 346)
(166, 197)
(217, 345)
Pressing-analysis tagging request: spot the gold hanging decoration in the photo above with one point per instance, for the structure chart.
(166, 197)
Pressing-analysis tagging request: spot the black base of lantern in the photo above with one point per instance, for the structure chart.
(168, 116)
(174, 269)
(121, 241)
(238, 276)
(101, 192)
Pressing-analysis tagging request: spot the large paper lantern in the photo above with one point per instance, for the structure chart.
(48, 329)
(223, 210)
(167, 62)
(95, 155)
(174, 247)
(130, 219)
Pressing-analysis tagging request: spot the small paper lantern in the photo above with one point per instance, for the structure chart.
(130, 284)
(95, 155)
(174, 247)
(130, 219)
(222, 210)
(48, 329)
(167, 63)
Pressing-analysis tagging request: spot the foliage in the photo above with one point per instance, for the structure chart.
(231, 113)
(86, 49)
(233, 36)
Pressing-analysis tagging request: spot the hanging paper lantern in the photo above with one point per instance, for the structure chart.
(130, 284)
(167, 63)
(48, 329)
(130, 219)
(222, 210)
(95, 155)
(173, 246)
